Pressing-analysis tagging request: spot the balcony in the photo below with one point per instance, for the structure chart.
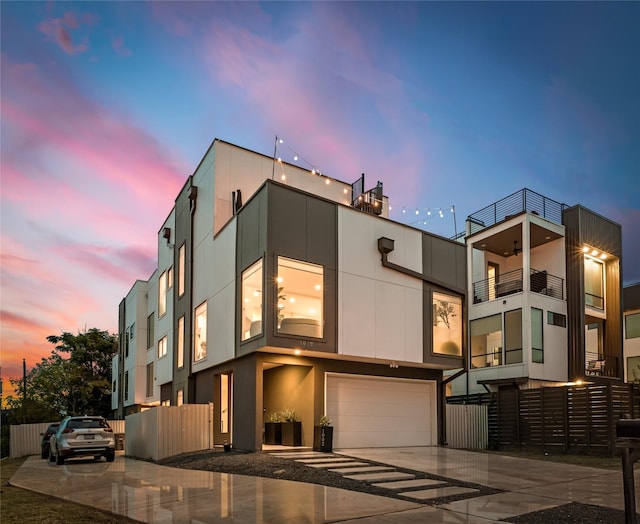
(511, 282)
(514, 204)
(601, 365)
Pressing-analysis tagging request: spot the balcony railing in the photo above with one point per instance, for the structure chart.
(601, 365)
(514, 204)
(508, 283)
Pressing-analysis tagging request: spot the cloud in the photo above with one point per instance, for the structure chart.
(118, 46)
(59, 30)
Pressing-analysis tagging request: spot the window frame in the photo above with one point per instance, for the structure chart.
(251, 323)
(635, 329)
(451, 320)
(163, 347)
(535, 351)
(162, 294)
(200, 311)
(182, 256)
(149, 383)
(180, 343)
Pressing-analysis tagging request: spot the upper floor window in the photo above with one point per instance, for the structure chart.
(132, 331)
(150, 331)
(170, 277)
(126, 385)
(537, 336)
(162, 347)
(252, 301)
(150, 377)
(447, 324)
(180, 348)
(495, 341)
(162, 294)
(299, 298)
(181, 269)
(180, 397)
(200, 333)
(593, 283)
(632, 325)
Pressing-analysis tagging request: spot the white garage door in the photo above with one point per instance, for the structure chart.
(378, 412)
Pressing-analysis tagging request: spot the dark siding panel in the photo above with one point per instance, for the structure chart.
(575, 293)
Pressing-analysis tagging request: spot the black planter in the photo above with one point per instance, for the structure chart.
(292, 433)
(273, 433)
(323, 438)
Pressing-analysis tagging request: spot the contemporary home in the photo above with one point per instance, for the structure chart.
(544, 292)
(280, 288)
(631, 302)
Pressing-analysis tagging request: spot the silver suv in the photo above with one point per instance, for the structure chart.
(82, 436)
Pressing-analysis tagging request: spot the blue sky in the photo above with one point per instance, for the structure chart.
(107, 107)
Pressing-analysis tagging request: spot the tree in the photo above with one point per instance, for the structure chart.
(75, 379)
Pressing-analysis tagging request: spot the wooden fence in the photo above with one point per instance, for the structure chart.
(568, 418)
(25, 439)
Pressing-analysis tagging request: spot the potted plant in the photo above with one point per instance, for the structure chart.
(273, 429)
(291, 428)
(323, 435)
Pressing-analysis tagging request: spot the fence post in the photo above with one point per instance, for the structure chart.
(565, 407)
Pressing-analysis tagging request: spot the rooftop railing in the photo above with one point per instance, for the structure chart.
(514, 204)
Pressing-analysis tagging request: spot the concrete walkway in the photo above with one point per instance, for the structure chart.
(157, 494)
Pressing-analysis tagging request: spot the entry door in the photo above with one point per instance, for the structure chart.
(225, 407)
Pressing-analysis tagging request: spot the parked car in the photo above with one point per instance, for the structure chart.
(82, 436)
(44, 443)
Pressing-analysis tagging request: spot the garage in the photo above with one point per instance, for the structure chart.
(376, 412)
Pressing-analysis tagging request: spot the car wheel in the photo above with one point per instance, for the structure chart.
(97, 457)
(110, 456)
(59, 459)
(52, 457)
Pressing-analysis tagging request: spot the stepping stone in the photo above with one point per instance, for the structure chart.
(385, 475)
(323, 460)
(361, 470)
(298, 454)
(414, 483)
(434, 493)
(341, 464)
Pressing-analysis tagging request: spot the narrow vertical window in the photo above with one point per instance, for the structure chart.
(162, 347)
(180, 397)
(252, 294)
(180, 347)
(200, 333)
(447, 324)
(632, 325)
(162, 294)
(170, 277)
(299, 298)
(150, 379)
(126, 385)
(181, 269)
(150, 331)
(537, 339)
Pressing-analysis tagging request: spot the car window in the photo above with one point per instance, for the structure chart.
(87, 423)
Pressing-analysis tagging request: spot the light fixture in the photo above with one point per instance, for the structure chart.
(318, 287)
(295, 157)
(327, 181)
(516, 250)
(297, 352)
(585, 249)
(279, 280)
(603, 256)
(283, 177)
(594, 252)
(292, 300)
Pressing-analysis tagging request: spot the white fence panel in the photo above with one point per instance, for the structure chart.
(166, 431)
(24, 439)
(467, 426)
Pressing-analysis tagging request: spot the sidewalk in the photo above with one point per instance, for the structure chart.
(157, 494)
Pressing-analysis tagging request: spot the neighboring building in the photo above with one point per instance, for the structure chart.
(544, 287)
(280, 288)
(631, 302)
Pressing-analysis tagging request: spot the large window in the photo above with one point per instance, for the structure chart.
(537, 339)
(252, 293)
(556, 319)
(150, 379)
(180, 347)
(486, 341)
(200, 333)
(593, 283)
(513, 337)
(632, 325)
(633, 369)
(180, 397)
(162, 347)
(299, 298)
(447, 324)
(162, 294)
(181, 269)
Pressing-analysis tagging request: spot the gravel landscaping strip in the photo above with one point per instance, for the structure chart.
(573, 513)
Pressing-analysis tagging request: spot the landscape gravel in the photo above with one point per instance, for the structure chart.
(264, 464)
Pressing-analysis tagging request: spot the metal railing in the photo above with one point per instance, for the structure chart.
(514, 204)
(594, 301)
(601, 365)
(511, 282)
